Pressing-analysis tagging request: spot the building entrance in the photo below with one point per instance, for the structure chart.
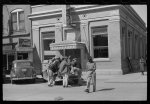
(73, 53)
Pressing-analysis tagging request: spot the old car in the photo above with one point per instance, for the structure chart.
(21, 70)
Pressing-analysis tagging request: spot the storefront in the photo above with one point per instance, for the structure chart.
(83, 30)
(70, 48)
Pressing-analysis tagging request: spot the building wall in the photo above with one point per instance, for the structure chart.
(85, 17)
(130, 21)
(10, 39)
(7, 9)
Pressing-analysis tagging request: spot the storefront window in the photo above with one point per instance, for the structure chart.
(100, 42)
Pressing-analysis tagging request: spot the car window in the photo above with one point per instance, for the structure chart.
(21, 64)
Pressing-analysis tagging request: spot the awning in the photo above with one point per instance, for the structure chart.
(67, 45)
(24, 49)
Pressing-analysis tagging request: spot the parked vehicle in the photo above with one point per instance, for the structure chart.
(21, 70)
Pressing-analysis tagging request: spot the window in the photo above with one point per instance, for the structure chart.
(100, 42)
(17, 18)
(48, 38)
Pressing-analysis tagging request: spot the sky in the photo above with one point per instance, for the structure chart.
(141, 11)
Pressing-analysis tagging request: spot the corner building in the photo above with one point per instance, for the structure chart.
(108, 33)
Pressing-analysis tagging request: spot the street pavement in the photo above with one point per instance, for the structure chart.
(129, 87)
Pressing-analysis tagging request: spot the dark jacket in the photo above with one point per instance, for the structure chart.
(55, 66)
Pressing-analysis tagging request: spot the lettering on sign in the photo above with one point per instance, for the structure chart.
(24, 42)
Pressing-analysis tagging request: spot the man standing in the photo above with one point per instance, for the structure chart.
(64, 71)
(91, 67)
(142, 62)
(53, 70)
(50, 72)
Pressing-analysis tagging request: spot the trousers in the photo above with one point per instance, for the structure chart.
(65, 79)
(51, 77)
(89, 77)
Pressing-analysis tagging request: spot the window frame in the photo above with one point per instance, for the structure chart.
(18, 21)
(103, 33)
(47, 38)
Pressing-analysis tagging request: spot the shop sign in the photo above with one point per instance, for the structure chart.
(7, 48)
(24, 43)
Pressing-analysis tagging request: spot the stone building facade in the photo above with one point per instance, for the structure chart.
(108, 33)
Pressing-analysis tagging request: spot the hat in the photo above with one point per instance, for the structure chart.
(56, 57)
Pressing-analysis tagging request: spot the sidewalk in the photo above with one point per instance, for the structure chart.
(129, 78)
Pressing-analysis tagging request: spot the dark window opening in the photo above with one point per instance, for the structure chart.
(100, 42)
(22, 56)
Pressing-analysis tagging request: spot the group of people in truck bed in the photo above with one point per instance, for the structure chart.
(62, 68)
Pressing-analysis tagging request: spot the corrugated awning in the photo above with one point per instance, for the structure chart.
(67, 45)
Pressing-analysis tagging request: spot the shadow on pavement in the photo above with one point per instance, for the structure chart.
(37, 81)
(105, 89)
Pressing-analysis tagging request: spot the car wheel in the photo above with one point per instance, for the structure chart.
(32, 80)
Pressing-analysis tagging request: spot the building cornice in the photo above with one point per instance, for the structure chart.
(59, 11)
(45, 14)
(134, 15)
(92, 7)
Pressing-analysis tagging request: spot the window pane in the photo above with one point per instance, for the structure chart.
(101, 52)
(21, 25)
(100, 40)
(21, 15)
(14, 26)
(46, 43)
(99, 30)
(14, 17)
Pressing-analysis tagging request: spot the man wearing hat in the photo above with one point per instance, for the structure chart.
(54, 68)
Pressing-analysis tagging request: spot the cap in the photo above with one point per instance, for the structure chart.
(74, 58)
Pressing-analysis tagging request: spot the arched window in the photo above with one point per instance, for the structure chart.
(17, 19)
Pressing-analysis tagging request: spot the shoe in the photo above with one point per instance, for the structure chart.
(50, 85)
(86, 90)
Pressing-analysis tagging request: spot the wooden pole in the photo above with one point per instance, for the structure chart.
(94, 81)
